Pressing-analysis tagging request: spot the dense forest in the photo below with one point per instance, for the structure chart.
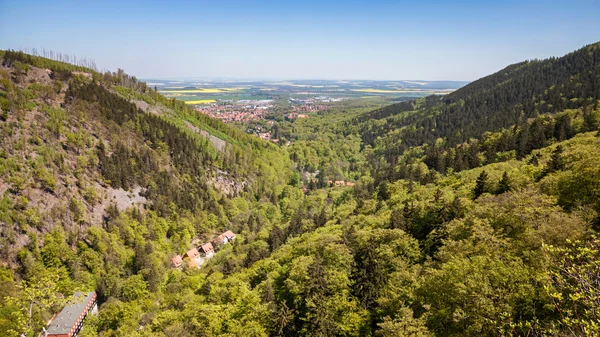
(473, 213)
(501, 100)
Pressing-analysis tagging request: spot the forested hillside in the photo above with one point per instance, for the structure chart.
(81, 147)
(471, 214)
(501, 100)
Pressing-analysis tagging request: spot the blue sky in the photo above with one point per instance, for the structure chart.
(393, 40)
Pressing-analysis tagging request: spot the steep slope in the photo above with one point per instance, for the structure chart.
(501, 100)
(81, 149)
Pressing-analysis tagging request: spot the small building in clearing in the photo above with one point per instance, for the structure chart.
(69, 321)
(224, 238)
(192, 254)
(207, 249)
(177, 261)
(229, 236)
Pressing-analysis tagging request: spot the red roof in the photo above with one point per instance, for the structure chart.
(228, 234)
(207, 247)
(177, 260)
(192, 253)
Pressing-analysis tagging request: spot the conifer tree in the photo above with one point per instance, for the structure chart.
(504, 185)
(556, 162)
(481, 185)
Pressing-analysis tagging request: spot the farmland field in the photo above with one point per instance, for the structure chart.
(194, 91)
(395, 91)
(210, 91)
(201, 101)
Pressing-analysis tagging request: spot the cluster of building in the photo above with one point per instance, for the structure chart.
(265, 135)
(240, 111)
(327, 99)
(338, 183)
(69, 321)
(195, 257)
(294, 115)
(315, 99)
(310, 107)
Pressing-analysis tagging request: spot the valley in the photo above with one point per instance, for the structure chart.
(370, 208)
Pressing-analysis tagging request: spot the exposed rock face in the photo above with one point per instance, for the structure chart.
(125, 199)
(217, 142)
(228, 185)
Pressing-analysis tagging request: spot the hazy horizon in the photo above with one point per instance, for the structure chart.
(378, 40)
(284, 79)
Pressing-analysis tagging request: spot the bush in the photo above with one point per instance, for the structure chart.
(46, 179)
(90, 195)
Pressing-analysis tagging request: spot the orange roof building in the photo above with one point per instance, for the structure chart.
(229, 235)
(207, 249)
(176, 261)
(192, 253)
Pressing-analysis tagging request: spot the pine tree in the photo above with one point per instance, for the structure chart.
(481, 185)
(524, 144)
(504, 185)
(556, 162)
(589, 121)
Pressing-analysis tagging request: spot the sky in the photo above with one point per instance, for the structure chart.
(288, 39)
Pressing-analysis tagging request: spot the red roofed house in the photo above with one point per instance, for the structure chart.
(349, 183)
(176, 261)
(224, 238)
(192, 253)
(219, 240)
(339, 183)
(229, 236)
(207, 249)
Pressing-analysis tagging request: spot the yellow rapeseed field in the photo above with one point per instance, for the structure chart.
(201, 91)
(201, 101)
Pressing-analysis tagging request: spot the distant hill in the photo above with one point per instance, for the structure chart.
(501, 100)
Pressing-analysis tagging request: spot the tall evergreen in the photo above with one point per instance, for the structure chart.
(504, 185)
(481, 185)
(556, 162)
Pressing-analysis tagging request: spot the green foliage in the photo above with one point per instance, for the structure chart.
(34, 299)
(574, 272)
(407, 250)
(91, 195)
(17, 57)
(45, 178)
(403, 325)
(55, 123)
(134, 288)
(477, 296)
